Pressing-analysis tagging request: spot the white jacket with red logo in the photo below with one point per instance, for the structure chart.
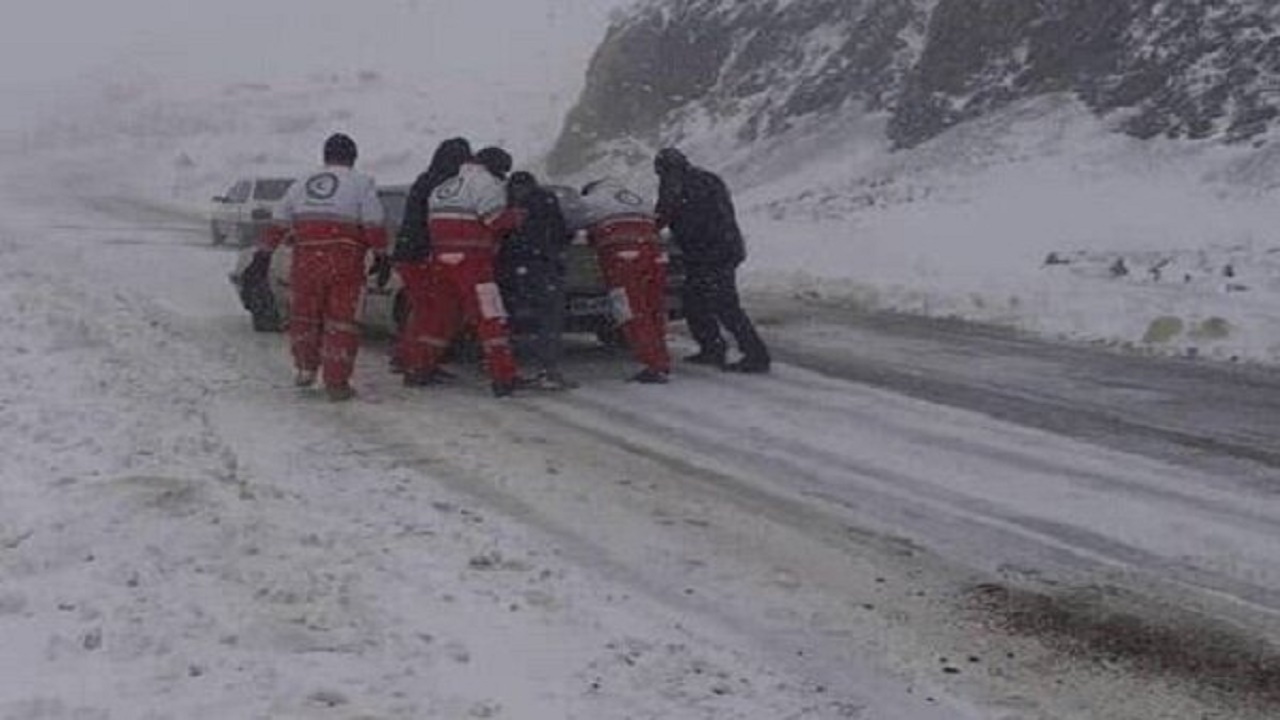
(469, 212)
(613, 215)
(333, 206)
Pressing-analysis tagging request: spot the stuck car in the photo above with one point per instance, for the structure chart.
(262, 281)
(246, 209)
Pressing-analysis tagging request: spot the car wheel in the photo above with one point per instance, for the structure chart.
(217, 237)
(256, 296)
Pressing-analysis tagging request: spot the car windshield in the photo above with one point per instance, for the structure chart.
(393, 205)
(272, 189)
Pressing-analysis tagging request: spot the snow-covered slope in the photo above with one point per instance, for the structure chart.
(1040, 218)
(1071, 168)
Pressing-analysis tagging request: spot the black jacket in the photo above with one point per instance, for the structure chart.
(696, 205)
(543, 236)
(413, 244)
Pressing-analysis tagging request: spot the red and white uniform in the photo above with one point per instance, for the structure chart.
(332, 218)
(624, 234)
(466, 217)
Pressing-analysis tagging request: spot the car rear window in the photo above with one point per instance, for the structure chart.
(272, 189)
(393, 205)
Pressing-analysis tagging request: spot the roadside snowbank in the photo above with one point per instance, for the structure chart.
(1041, 219)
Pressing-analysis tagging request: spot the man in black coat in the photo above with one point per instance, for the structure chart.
(696, 205)
(531, 274)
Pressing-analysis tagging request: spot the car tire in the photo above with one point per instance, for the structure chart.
(217, 237)
(257, 298)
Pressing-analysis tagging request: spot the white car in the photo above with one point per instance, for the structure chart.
(246, 209)
(263, 283)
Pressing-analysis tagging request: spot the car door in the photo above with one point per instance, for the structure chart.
(231, 209)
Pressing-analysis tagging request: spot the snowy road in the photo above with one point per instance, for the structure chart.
(908, 520)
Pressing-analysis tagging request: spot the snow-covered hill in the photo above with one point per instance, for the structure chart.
(1098, 171)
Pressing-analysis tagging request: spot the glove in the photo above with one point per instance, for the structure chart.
(381, 269)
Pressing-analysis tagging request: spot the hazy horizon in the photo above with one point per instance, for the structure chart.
(60, 52)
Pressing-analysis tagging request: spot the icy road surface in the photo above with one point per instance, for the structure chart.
(907, 520)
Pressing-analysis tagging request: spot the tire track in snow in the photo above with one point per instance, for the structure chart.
(906, 503)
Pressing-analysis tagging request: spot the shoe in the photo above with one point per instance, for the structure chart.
(304, 378)
(340, 393)
(550, 381)
(428, 377)
(747, 365)
(703, 357)
(503, 389)
(649, 376)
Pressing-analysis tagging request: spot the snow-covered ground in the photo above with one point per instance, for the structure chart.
(183, 535)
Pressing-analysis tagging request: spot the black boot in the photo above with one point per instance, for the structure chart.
(750, 365)
(503, 389)
(430, 377)
(706, 357)
(649, 376)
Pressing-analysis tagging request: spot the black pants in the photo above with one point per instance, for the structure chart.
(534, 295)
(711, 302)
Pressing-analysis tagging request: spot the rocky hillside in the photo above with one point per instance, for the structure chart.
(743, 71)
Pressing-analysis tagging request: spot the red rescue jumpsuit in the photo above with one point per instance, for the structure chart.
(625, 237)
(466, 215)
(332, 218)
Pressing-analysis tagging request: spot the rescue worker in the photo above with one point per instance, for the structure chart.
(333, 218)
(624, 233)
(696, 205)
(467, 215)
(412, 250)
(531, 274)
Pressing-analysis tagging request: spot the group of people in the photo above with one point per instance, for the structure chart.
(476, 237)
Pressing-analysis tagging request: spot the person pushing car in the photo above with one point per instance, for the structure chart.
(411, 259)
(624, 233)
(467, 216)
(696, 205)
(333, 219)
(531, 275)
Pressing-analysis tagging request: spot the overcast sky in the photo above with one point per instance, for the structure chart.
(50, 50)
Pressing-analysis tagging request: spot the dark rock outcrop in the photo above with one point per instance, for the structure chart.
(755, 69)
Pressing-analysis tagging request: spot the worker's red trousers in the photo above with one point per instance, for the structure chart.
(636, 274)
(326, 285)
(413, 276)
(459, 289)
